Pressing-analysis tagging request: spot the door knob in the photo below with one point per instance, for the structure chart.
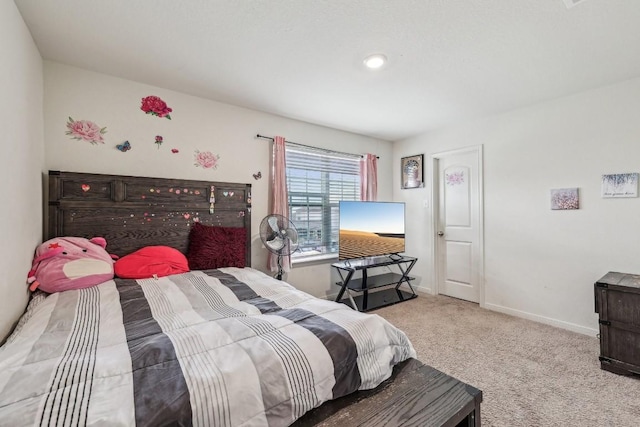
(440, 233)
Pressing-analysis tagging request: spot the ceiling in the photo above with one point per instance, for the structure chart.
(449, 60)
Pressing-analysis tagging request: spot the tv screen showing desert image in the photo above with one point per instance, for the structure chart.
(370, 229)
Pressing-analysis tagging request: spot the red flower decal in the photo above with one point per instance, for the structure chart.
(155, 106)
(54, 245)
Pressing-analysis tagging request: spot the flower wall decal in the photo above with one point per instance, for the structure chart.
(155, 106)
(206, 159)
(85, 130)
(159, 141)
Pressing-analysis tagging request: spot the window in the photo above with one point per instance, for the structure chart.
(316, 181)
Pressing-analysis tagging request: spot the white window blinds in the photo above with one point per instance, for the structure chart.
(316, 181)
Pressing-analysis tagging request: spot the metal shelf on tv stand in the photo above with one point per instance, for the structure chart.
(371, 300)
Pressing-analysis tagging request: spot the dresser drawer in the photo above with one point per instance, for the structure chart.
(73, 186)
(622, 307)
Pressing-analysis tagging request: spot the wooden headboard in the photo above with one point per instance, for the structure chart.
(132, 212)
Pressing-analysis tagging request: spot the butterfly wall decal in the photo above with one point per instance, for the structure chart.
(124, 147)
(257, 175)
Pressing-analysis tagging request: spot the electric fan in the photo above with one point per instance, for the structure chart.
(279, 236)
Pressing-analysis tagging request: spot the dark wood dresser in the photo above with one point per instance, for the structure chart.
(617, 297)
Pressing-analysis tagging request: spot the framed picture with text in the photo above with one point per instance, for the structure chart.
(412, 171)
(620, 185)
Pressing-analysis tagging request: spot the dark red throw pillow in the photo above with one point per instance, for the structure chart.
(216, 247)
(151, 260)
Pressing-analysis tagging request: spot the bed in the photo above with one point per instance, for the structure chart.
(218, 347)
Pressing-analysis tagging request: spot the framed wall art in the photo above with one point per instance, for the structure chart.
(565, 199)
(412, 171)
(620, 185)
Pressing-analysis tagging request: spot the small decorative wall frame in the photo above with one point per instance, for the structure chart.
(620, 185)
(565, 199)
(412, 171)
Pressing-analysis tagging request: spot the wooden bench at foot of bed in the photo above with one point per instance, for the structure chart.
(415, 395)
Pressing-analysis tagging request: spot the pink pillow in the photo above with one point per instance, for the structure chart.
(151, 261)
(65, 263)
(216, 247)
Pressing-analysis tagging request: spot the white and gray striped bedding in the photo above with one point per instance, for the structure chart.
(227, 347)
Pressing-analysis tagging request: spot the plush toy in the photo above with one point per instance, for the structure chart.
(65, 263)
(151, 261)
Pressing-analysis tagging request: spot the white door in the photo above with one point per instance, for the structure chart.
(458, 224)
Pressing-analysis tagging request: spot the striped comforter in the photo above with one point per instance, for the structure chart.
(226, 347)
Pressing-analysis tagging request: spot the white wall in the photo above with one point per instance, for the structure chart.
(196, 123)
(541, 264)
(21, 162)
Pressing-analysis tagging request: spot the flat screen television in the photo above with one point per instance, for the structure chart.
(370, 229)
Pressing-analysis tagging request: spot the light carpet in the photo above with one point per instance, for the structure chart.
(530, 374)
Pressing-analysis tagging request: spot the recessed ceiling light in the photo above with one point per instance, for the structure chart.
(375, 61)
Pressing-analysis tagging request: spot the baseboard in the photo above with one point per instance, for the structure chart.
(423, 290)
(541, 319)
(512, 312)
(330, 297)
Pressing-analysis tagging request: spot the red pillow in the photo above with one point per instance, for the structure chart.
(151, 260)
(216, 247)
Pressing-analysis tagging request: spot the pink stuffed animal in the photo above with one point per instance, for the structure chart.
(65, 263)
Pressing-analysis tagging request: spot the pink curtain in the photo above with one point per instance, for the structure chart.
(369, 177)
(280, 201)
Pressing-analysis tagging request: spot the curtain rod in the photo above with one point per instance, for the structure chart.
(315, 148)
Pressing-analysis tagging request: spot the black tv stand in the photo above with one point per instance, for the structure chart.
(371, 300)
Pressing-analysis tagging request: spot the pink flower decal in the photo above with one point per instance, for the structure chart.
(206, 159)
(159, 141)
(85, 130)
(175, 150)
(155, 106)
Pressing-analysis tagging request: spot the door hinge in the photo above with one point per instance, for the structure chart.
(604, 322)
(602, 285)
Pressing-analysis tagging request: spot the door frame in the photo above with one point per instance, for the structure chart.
(435, 203)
